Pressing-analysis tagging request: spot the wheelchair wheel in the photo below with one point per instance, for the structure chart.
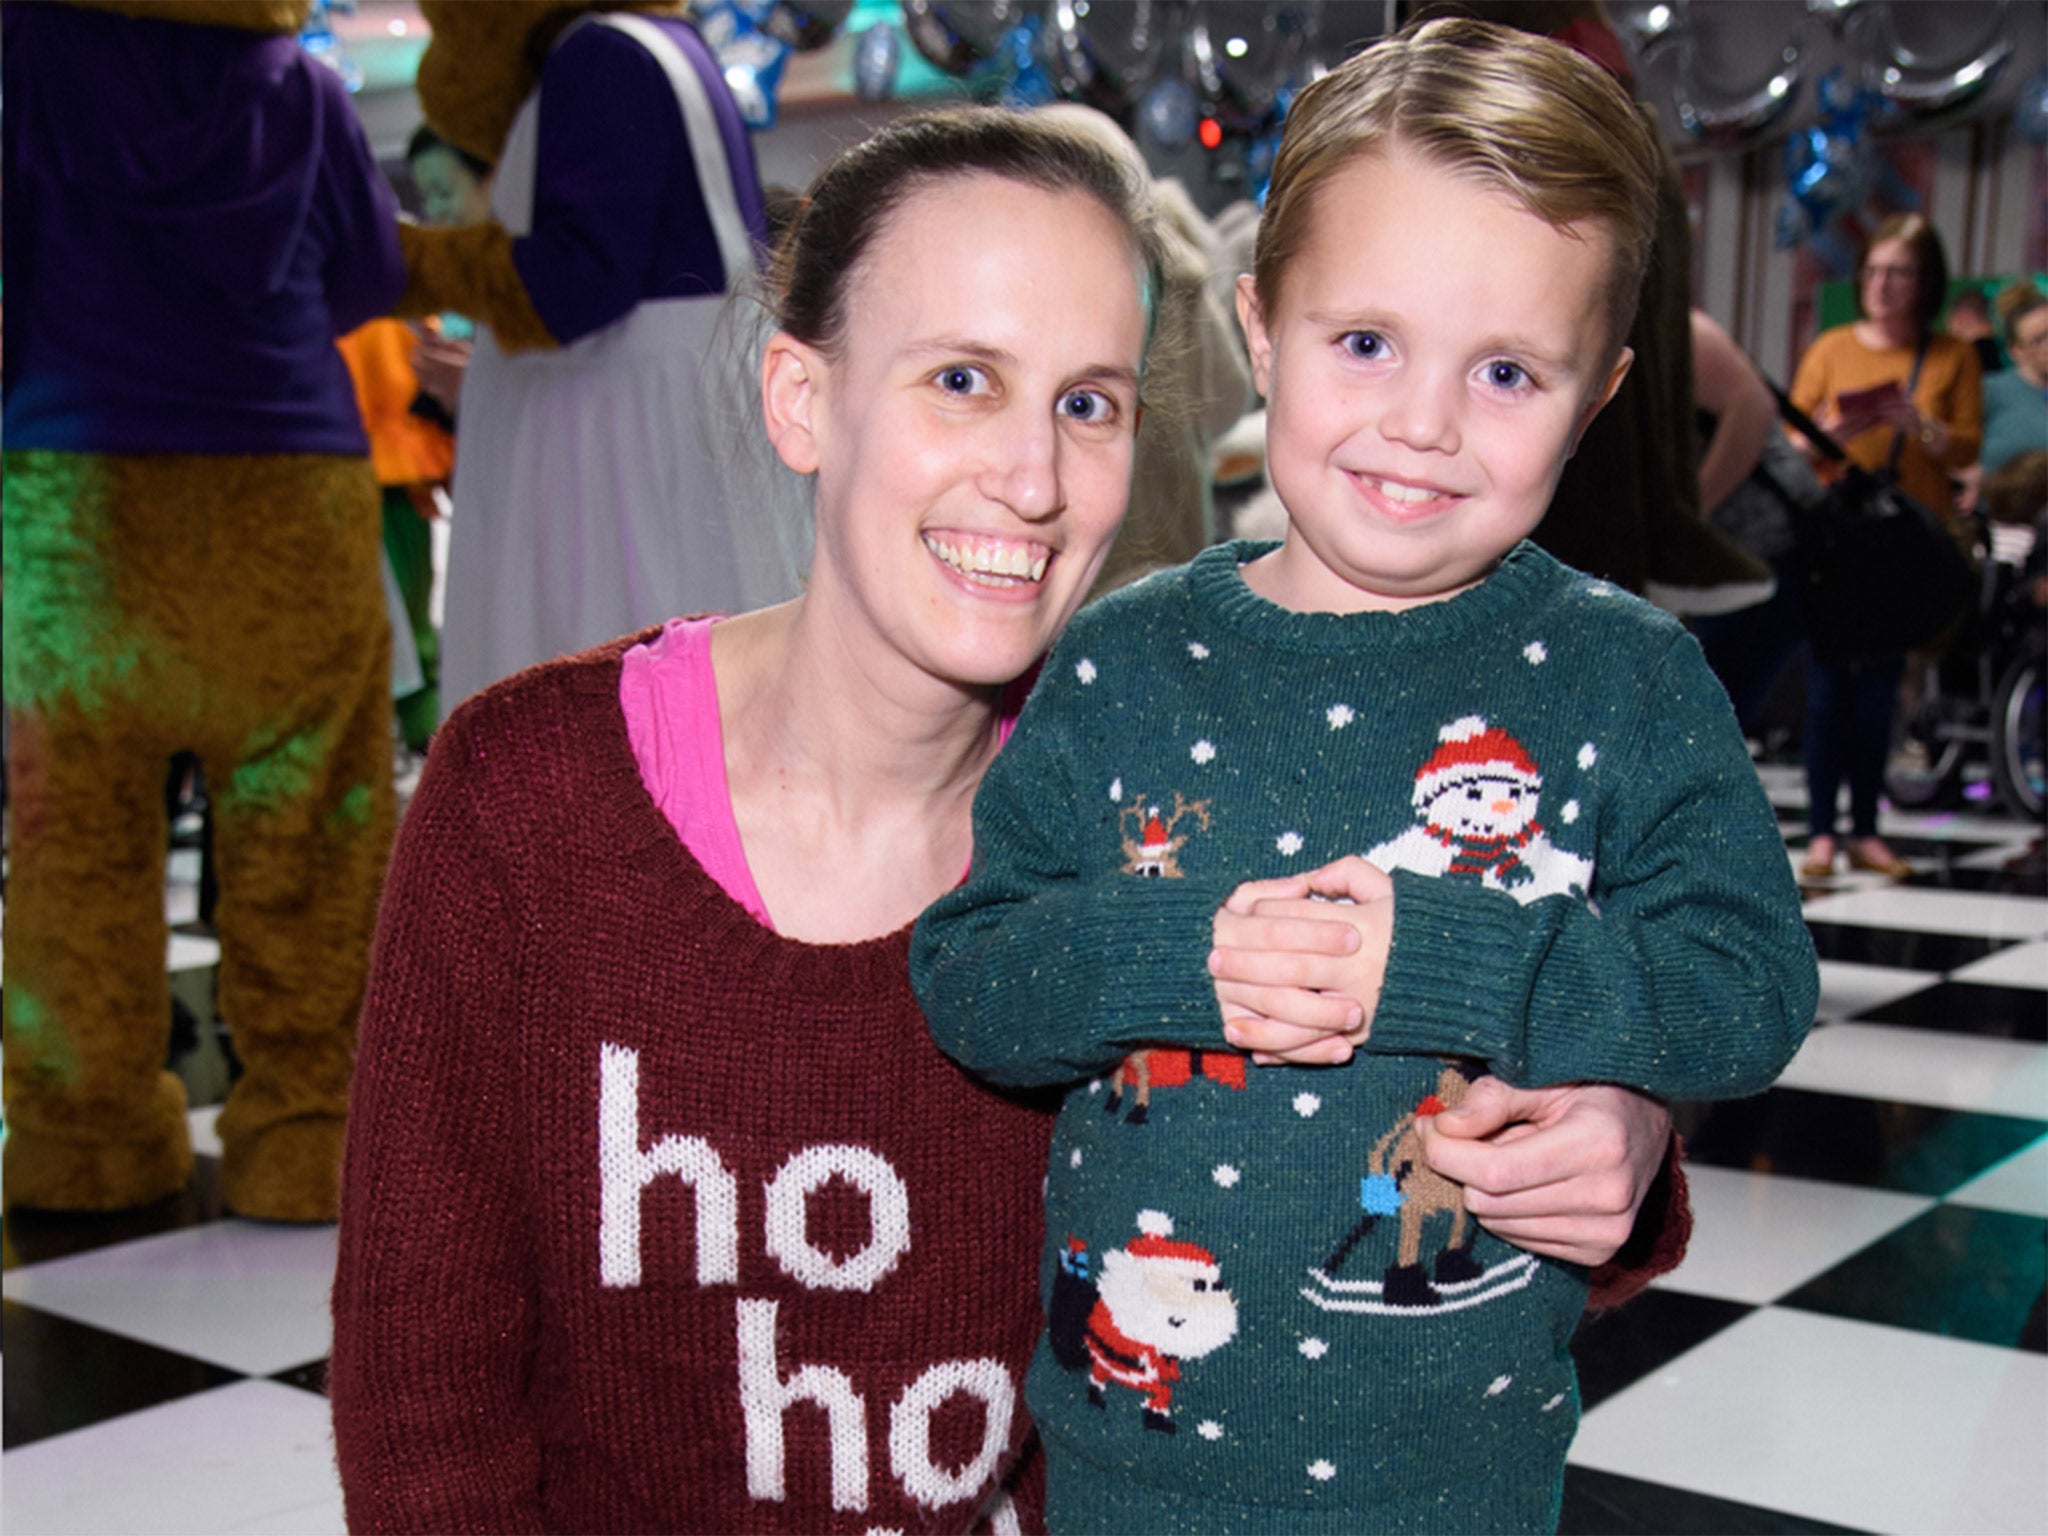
(1926, 766)
(2019, 754)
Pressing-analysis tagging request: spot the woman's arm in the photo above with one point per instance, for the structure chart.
(1727, 384)
(434, 1301)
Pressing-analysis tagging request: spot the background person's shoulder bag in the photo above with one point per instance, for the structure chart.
(1883, 575)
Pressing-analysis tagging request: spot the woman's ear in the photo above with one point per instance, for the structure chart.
(1257, 343)
(789, 384)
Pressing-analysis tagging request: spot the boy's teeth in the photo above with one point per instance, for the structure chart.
(989, 559)
(1396, 492)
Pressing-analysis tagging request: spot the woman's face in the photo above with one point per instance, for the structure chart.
(450, 193)
(2028, 343)
(972, 436)
(1891, 282)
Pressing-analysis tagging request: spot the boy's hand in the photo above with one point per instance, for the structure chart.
(1298, 979)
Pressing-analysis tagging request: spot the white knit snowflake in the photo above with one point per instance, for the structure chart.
(1601, 589)
(1074, 1158)
(1536, 652)
(1203, 751)
(1315, 1349)
(1553, 1402)
(1306, 1104)
(1116, 789)
(1588, 755)
(1209, 1429)
(1198, 650)
(1339, 716)
(1499, 1385)
(1570, 813)
(1226, 1177)
(1288, 843)
(1084, 669)
(1322, 1471)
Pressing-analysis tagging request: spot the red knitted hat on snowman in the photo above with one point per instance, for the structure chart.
(1471, 749)
(1157, 1242)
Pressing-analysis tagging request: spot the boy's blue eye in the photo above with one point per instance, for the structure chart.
(1364, 344)
(1506, 375)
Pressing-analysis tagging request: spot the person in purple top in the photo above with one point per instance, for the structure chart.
(191, 521)
(625, 204)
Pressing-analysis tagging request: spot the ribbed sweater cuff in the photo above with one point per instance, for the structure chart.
(1454, 984)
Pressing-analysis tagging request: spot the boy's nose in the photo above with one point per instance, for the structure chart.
(1423, 416)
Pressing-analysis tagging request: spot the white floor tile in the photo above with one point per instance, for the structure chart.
(1759, 1236)
(192, 952)
(182, 866)
(1924, 1066)
(247, 1295)
(253, 1457)
(181, 904)
(1879, 1428)
(205, 1136)
(1933, 911)
(2020, 1183)
(1847, 989)
(2023, 965)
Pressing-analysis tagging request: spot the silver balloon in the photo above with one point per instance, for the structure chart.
(806, 24)
(1920, 82)
(877, 55)
(1106, 52)
(1709, 108)
(1244, 51)
(956, 36)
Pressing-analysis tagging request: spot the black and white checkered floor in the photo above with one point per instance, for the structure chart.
(1857, 1341)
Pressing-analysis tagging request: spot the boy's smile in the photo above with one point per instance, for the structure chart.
(1435, 353)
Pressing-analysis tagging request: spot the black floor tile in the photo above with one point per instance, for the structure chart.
(1606, 1504)
(2021, 879)
(312, 1377)
(1956, 1270)
(1967, 1008)
(1874, 1143)
(1901, 948)
(61, 1375)
(33, 1237)
(1619, 1348)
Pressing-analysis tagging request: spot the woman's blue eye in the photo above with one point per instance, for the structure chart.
(1087, 405)
(959, 381)
(1506, 375)
(1364, 344)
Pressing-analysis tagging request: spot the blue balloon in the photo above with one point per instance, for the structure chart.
(1167, 115)
(877, 55)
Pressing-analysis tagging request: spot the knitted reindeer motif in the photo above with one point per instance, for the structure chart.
(1153, 851)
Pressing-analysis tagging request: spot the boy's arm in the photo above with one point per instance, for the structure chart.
(1689, 974)
(1050, 964)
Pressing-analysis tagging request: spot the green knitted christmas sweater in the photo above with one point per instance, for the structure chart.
(1265, 1311)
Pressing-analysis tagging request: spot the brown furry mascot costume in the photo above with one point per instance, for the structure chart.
(625, 205)
(193, 215)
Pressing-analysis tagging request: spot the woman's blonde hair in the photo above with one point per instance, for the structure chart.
(1514, 113)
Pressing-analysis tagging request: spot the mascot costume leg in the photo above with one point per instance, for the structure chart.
(191, 536)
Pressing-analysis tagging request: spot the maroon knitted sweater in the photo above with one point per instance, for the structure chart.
(652, 1220)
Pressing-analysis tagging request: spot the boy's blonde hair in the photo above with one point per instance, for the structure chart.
(1512, 112)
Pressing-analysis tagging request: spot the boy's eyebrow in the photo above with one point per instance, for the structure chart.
(939, 347)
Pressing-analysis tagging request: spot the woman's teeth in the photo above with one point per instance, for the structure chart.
(987, 560)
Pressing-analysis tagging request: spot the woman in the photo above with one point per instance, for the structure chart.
(2016, 398)
(1897, 395)
(648, 926)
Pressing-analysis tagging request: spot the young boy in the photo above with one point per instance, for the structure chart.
(1266, 1311)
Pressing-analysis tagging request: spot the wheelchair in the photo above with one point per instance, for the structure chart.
(1980, 711)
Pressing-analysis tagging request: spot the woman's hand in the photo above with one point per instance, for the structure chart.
(1560, 1172)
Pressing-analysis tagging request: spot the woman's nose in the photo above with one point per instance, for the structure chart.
(1024, 469)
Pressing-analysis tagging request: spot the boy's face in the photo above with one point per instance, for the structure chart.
(1434, 355)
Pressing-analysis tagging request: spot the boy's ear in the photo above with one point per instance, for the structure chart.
(1253, 323)
(789, 396)
(1599, 401)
